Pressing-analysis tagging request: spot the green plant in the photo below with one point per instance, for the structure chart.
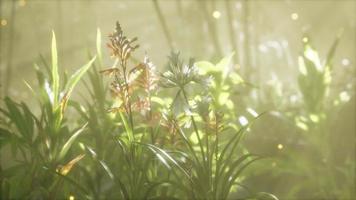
(139, 144)
(317, 161)
(224, 80)
(41, 143)
(209, 161)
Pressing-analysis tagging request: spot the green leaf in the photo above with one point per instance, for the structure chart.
(73, 182)
(206, 67)
(16, 117)
(127, 127)
(70, 141)
(98, 45)
(266, 196)
(332, 50)
(236, 78)
(5, 137)
(223, 98)
(73, 80)
(5, 189)
(55, 75)
(223, 65)
(165, 158)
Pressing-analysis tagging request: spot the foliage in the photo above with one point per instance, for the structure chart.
(40, 143)
(138, 144)
(314, 156)
(315, 79)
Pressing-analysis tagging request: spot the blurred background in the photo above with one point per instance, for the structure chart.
(266, 36)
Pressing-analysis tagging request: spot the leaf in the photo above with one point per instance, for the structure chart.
(107, 169)
(5, 189)
(73, 80)
(55, 75)
(28, 121)
(16, 117)
(332, 50)
(206, 67)
(5, 137)
(235, 78)
(98, 45)
(116, 179)
(70, 141)
(127, 127)
(223, 65)
(67, 167)
(165, 158)
(73, 182)
(223, 98)
(265, 196)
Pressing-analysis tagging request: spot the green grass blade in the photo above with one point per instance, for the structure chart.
(55, 74)
(16, 117)
(70, 141)
(98, 46)
(73, 182)
(115, 179)
(73, 80)
(127, 127)
(163, 155)
(332, 50)
(227, 188)
(5, 137)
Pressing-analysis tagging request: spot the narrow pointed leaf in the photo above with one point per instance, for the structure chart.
(98, 45)
(73, 80)
(55, 75)
(70, 141)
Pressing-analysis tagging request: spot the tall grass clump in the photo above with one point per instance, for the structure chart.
(40, 143)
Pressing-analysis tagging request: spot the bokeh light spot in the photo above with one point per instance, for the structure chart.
(22, 2)
(243, 121)
(216, 14)
(294, 16)
(280, 146)
(345, 62)
(3, 22)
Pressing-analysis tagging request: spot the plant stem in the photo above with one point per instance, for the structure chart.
(194, 126)
(123, 64)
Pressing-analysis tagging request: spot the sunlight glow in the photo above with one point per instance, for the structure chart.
(243, 120)
(302, 68)
(252, 112)
(216, 14)
(49, 92)
(344, 96)
(302, 125)
(280, 146)
(294, 16)
(22, 2)
(345, 62)
(3, 22)
(313, 56)
(314, 118)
